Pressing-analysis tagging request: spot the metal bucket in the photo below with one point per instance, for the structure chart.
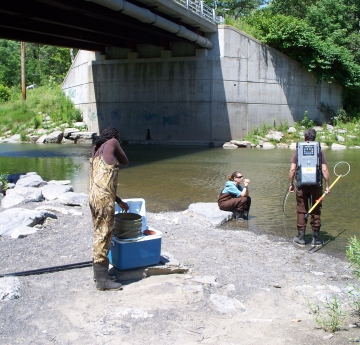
(127, 225)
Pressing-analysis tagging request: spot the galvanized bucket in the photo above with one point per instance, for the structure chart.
(127, 225)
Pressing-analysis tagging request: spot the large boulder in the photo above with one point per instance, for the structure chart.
(30, 180)
(209, 212)
(16, 221)
(267, 145)
(241, 143)
(274, 135)
(73, 199)
(69, 131)
(229, 146)
(54, 137)
(52, 191)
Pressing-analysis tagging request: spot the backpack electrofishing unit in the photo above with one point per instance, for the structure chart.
(308, 164)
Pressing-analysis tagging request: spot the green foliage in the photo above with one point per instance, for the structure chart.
(10, 63)
(340, 117)
(58, 106)
(37, 121)
(17, 115)
(4, 181)
(322, 35)
(240, 24)
(354, 295)
(46, 62)
(281, 127)
(330, 139)
(23, 136)
(41, 63)
(262, 130)
(353, 254)
(306, 122)
(4, 93)
(330, 316)
(234, 8)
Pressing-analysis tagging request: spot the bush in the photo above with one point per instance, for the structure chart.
(340, 117)
(306, 122)
(4, 180)
(353, 254)
(37, 121)
(4, 93)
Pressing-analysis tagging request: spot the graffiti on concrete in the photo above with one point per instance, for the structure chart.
(167, 120)
(72, 93)
(100, 116)
(170, 120)
(151, 116)
(115, 115)
(91, 115)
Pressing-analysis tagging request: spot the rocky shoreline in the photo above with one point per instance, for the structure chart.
(237, 286)
(274, 139)
(340, 138)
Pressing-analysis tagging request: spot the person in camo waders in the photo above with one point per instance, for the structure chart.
(106, 157)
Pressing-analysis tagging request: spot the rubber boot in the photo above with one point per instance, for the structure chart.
(109, 276)
(240, 216)
(316, 242)
(300, 239)
(102, 280)
(246, 215)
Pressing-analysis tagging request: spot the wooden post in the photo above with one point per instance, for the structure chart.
(23, 87)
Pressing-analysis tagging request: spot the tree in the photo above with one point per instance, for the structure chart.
(235, 8)
(42, 63)
(323, 36)
(10, 72)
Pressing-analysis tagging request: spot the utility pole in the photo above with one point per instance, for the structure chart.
(23, 87)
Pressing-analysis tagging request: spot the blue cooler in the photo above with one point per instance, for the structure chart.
(135, 252)
(126, 254)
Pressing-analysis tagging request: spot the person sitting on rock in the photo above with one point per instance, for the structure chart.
(234, 197)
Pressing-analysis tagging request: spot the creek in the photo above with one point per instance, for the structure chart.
(171, 178)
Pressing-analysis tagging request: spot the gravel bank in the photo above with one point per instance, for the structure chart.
(243, 287)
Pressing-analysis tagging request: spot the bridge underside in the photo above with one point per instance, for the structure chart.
(80, 24)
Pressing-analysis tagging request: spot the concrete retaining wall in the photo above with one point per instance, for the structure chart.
(214, 96)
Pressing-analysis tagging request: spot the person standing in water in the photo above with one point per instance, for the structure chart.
(106, 158)
(306, 195)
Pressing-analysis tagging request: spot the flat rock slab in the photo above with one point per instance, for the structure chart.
(16, 220)
(209, 212)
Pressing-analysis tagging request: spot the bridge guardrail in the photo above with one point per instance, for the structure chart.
(201, 9)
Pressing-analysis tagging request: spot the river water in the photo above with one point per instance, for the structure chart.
(171, 178)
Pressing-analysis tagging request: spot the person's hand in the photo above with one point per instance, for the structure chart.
(246, 182)
(124, 206)
(291, 188)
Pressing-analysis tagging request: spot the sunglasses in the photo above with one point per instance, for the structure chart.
(239, 176)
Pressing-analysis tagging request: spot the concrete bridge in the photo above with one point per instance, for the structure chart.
(165, 72)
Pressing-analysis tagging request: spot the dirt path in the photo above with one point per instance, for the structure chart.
(243, 287)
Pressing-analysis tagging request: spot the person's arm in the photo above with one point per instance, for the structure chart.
(120, 154)
(326, 176)
(291, 176)
(245, 190)
(122, 204)
(231, 188)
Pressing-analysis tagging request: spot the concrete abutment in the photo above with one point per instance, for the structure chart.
(182, 94)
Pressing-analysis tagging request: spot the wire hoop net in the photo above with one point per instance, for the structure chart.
(341, 169)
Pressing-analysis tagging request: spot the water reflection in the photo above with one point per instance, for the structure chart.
(171, 178)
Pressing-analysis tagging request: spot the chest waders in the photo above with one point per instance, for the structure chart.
(308, 174)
